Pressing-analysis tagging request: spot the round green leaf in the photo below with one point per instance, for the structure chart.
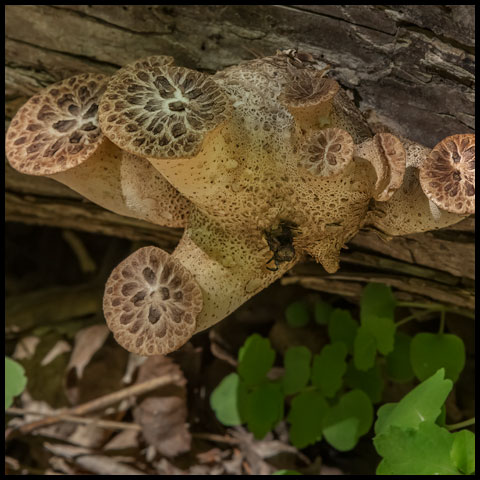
(370, 381)
(228, 399)
(297, 314)
(343, 434)
(462, 453)
(377, 301)
(15, 380)
(430, 352)
(322, 311)
(351, 418)
(255, 359)
(342, 328)
(286, 472)
(329, 367)
(297, 369)
(307, 411)
(364, 349)
(264, 409)
(399, 367)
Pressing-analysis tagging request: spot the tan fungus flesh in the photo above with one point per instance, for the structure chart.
(275, 161)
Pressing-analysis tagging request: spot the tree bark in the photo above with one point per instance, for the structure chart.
(409, 67)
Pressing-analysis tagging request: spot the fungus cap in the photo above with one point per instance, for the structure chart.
(327, 152)
(161, 111)
(308, 88)
(447, 175)
(149, 62)
(151, 303)
(387, 155)
(57, 129)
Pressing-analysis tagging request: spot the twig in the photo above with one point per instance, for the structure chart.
(97, 404)
(87, 265)
(97, 422)
(216, 438)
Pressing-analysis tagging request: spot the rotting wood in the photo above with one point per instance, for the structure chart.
(413, 65)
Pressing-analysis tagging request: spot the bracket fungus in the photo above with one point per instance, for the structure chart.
(262, 163)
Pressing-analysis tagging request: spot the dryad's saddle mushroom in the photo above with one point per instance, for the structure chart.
(262, 163)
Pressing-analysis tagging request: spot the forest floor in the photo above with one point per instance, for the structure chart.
(55, 329)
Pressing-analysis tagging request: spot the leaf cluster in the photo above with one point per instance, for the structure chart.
(331, 395)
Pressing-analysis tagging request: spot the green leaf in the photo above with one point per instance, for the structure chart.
(264, 409)
(383, 329)
(297, 369)
(228, 400)
(462, 453)
(286, 472)
(377, 301)
(15, 380)
(429, 352)
(442, 418)
(322, 311)
(370, 381)
(351, 418)
(342, 328)
(399, 367)
(377, 307)
(255, 359)
(307, 411)
(423, 403)
(364, 349)
(329, 367)
(297, 314)
(422, 451)
(343, 434)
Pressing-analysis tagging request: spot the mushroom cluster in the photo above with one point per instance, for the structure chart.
(261, 163)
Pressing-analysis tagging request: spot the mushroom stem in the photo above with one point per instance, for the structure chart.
(410, 210)
(126, 185)
(229, 268)
(98, 178)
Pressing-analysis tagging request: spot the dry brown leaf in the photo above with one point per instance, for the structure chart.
(163, 413)
(86, 344)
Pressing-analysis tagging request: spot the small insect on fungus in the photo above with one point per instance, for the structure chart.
(280, 242)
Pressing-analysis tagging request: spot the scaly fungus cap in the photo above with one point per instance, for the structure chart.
(447, 175)
(161, 111)
(326, 153)
(387, 155)
(151, 303)
(309, 97)
(57, 129)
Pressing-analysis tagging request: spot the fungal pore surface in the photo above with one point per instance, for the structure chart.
(262, 163)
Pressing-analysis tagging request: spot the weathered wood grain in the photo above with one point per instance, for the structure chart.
(412, 65)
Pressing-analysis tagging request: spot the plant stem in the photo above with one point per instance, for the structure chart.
(465, 423)
(415, 316)
(441, 328)
(436, 307)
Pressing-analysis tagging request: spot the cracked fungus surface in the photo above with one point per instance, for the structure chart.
(151, 303)
(57, 129)
(447, 175)
(161, 111)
